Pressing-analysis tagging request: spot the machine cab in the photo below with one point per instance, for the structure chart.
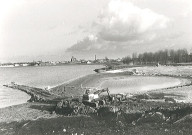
(88, 96)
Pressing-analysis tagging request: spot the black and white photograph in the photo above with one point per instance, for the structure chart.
(95, 67)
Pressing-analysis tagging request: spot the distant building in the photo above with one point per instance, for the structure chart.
(64, 62)
(25, 64)
(89, 62)
(101, 60)
(73, 60)
(83, 61)
(7, 65)
(53, 63)
(16, 65)
(45, 63)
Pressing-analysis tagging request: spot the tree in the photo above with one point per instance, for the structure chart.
(127, 60)
(162, 56)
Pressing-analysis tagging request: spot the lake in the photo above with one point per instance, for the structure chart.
(44, 76)
(40, 77)
(139, 84)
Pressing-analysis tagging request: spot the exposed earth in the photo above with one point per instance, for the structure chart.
(160, 111)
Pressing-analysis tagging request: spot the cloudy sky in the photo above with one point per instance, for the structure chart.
(57, 29)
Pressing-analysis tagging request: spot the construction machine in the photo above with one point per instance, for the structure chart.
(94, 99)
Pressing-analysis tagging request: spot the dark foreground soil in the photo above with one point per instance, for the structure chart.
(138, 118)
(89, 126)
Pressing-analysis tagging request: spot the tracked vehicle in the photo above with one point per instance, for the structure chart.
(94, 99)
(89, 102)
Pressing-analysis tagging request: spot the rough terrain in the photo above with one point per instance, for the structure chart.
(156, 112)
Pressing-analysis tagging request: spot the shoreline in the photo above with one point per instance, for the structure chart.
(67, 82)
(174, 82)
(45, 79)
(111, 74)
(65, 64)
(27, 114)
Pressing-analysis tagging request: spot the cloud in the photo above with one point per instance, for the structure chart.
(92, 37)
(123, 21)
(88, 43)
(121, 24)
(92, 44)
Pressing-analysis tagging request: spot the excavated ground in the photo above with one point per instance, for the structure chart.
(155, 112)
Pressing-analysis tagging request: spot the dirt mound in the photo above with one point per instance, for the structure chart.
(69, 108)
(156, 117)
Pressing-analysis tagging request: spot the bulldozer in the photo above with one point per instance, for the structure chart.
(91, 99)
(94, 99)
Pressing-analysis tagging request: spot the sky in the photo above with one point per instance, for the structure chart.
(58, 29)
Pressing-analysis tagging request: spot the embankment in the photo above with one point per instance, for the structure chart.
(37, 94)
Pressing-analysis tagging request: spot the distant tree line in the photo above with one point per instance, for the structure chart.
(163, 57)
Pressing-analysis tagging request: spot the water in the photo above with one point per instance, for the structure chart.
(40, 77)
(137, 84)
